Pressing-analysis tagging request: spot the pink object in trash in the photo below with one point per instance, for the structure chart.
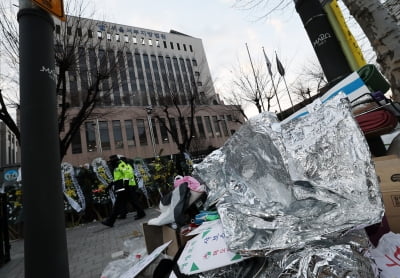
(193, 184)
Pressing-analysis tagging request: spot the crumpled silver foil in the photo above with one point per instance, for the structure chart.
(342, 258)
(281, 186)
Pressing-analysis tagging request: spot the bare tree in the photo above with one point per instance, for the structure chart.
(383, 32)
(309, 82)
(72, 38)
(181, 100)
(377, 22)
(253, 86)
(235, 104)
(9, 53)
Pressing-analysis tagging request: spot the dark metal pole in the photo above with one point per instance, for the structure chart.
(45, 237)
(258, 93)
(272, 79)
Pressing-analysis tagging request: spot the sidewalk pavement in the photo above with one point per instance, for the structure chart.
(89, 247)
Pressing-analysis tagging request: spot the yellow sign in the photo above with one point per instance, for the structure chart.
(55, 7)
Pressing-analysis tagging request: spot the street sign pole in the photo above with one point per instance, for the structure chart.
(45, 244)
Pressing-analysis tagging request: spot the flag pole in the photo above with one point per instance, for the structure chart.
(287, 89)
(272, 79)
(281, 71)
(258, 94)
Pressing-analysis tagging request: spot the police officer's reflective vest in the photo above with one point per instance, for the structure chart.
(124, 171)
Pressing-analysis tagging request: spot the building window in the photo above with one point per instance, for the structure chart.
(90, 34)
(153, 124)
(165, 44)
(164, 131)
(142, 41)
(178, 46)
(196, 73)
(156, 72)
(99, 35)
(200, 126)
(134, 40)
(79, 32)
(117, 37)
(76, 143)
(130, 135)
(191, 48)
(108, 36)
(199, 84)
(210, 132)
(126, 38)
(118, 141)
(157, 43)
(229, 118)
(58, 29)
(184, 47)
(149, 78)
(172, 45)
(217, 128)
(172, 125)
(194, 62)
(150, 42)
(142, 84)
(141, 131)
(114, 80)
(90, 130)
(224, 126)
(132, 77)
(191, 128)
(104, 136)
(178, 74)
(69, 30)
(83, 69)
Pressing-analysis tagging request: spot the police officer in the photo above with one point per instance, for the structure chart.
(124, 185)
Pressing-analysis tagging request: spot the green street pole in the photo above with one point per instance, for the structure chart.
(45, 244)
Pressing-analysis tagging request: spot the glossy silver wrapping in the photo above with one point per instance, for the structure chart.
(342, 257)
(283, 186)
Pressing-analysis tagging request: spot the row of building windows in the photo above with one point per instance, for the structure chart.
(98, 132)
(127, 39)
(138, 79)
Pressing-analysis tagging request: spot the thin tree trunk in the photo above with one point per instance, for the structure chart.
(383, 33)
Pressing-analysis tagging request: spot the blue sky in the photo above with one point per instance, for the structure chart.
(224, 31)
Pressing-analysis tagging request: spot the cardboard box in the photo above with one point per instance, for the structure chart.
(388, 170)
(155, 236)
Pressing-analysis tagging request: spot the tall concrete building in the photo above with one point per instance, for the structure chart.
(151, 73)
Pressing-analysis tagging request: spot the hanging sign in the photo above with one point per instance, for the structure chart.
(55, 7)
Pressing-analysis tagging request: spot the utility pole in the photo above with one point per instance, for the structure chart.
(45, 244)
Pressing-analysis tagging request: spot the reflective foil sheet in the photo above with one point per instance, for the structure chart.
(342, 257)
(281, 186)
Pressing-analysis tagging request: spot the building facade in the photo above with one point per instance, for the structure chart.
(9, 149)
(156, 81)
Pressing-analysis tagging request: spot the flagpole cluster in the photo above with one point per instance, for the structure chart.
(272, 79)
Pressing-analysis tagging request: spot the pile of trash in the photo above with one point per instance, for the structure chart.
(283, 199)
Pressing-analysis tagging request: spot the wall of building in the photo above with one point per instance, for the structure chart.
(147, 68)
(108, 133)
